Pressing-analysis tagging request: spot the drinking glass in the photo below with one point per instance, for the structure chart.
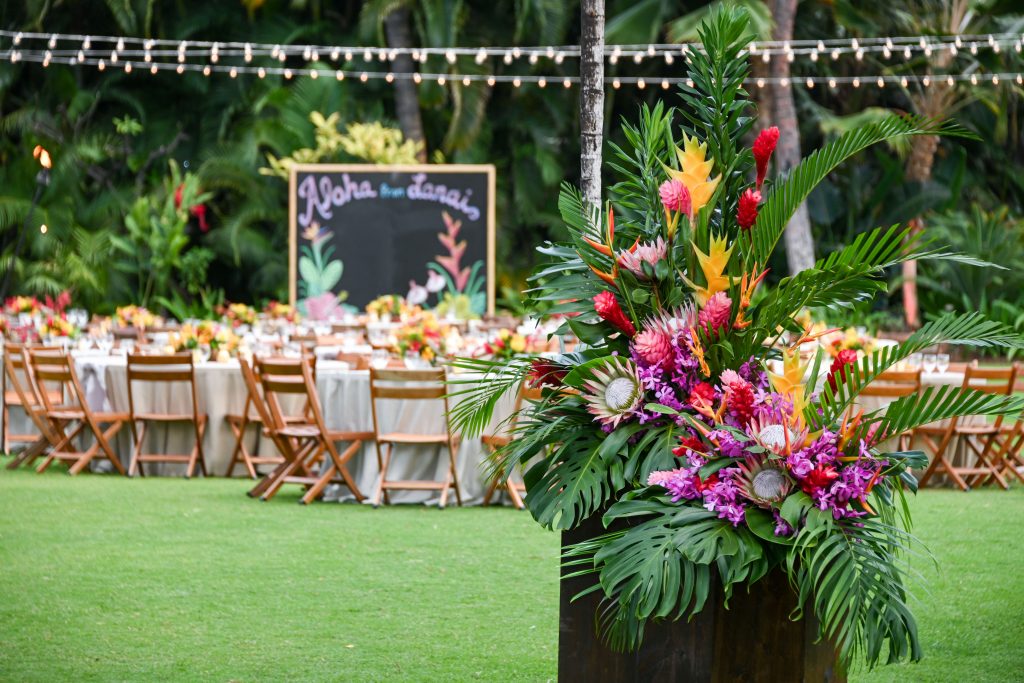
(929, 362)
(942, 362)
(914, 361)
(379, 359)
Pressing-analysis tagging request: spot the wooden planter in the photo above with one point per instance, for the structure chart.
(754, 640)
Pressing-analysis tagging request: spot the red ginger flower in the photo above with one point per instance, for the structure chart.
(702, 392)
(818, 478)
(689, 443)
(607, 306)
(543, 371)
(675, 197)
(746, 213)
(837, 371)
(653, 346)
(763, 147)
(739, 396)
(716, 315)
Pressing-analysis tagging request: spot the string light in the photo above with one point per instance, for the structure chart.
(542, 83)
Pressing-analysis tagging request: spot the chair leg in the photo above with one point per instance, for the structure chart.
(104, 437)
(453, 448)
(513, 493)
(136, 466)
(384, 460)
(276, 484)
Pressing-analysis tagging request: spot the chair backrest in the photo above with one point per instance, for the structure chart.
(290, 376)
(17, 373)
(254, 394)
(407, 384)
(165, 368)
(894, 383)
(54, 373)
(356, 361)
(990, 380)
(306, 341)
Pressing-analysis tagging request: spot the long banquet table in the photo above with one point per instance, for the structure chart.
(345, 399)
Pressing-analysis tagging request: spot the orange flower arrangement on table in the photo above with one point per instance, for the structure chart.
(137, 317)
(238, 314)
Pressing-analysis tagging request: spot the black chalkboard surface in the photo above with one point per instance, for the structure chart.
(369, 230)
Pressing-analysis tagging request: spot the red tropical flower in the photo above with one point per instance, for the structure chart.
(746, 213)
(818, 478)
(837, 371)
(689, 443)
(702, 391)
(763, 147)
(543, 372)
(607, 306)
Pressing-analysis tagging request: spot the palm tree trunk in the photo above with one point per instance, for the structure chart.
(799, 241)
(919, 170)
(591, 98)
(407, 97)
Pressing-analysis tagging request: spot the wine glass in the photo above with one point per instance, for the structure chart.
(914, 361)
(929, 362)
(942, 362)
(204, 353)
(379, 359)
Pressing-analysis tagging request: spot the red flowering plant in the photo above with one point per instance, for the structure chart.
(689, 412)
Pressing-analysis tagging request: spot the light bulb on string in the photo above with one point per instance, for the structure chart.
(314, 74)
(315, 56)
(507, 58)
(53, 41)
(282, 56)
(856, 82)
(958, 42)
(363, 77)
(348, 55)
(784, 82)
(995, 79)
(765, 57)
(120, 44)
(542, 83)
(638, 57)
(854, 44)
(650, 50)
(516, 82)
(127, 67)
(441, 80)
(1020, 79)
(101, 66)
(949, 81)
(859, 55)
(261, 72)
(206, 70)
(81, 56)
(641, 84)
(367, 56)
(953, 50)
(974, 79)
(113, 57)
(903, 82)
(926, 81)
(664, 84)
(180, 68)
(881, 82)
(974, 48)
(153, 69)
(382, 55)
(466, 81)
(390, 77)
(334, 54)
(835, 54)
(810, 83)
(416, 77)
(491, 81)
(559, 57)
(616, 84)
(288, 74)
(814, 55)
(87, 43)
(46, 59)
(17, 38)
(550, 52)
(790, 56)
(906, 52)
(832, 83)
(450, 56)
(886, 52)
(533, 58)
(760, 83)
(689, 82)
(339, 75)
(996, 48)
(516, 52)
(481, 56)
(567, 84)
(43, 229)
(669, 58)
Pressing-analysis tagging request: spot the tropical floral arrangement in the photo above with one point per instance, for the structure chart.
(222, 341)
(136, 316)
(850, 339)
(508, 344)
(275, 310)
(711, 453)
(28, 305)
(57, 326)
(238, 314)
(425, 338)
(387, 304)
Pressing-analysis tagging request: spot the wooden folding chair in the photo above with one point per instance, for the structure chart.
(250, 416)
(386, 384)
(19, 389)
(1009, 443)
(493, 442)
(895, 384)
(71, 416)
(303, 444)
(978, 438)
(173, 369)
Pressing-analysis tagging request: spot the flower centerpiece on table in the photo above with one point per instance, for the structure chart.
(850, 339)
(275, 310)
(27, 305)
(57, 326)
(507, 344)
(710, 451)
(221, 341)
(238, 314)
(424, 338)
(136, 316)
(388, 306)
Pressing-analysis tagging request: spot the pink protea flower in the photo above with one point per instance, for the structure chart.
(672, 322)
(607, 306)
(675, 197)
(716, 315)
(648, 252)
(763, 147)
(746, 212)
(654, 347)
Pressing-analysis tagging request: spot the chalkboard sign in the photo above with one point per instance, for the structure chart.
(370, 230)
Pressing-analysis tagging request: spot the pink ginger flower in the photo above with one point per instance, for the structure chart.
(739, 396)
(607, 306)
(675, 197)
(648, 252)
(654, 347)
(716, 315)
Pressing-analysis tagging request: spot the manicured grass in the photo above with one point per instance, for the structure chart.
(103, 578)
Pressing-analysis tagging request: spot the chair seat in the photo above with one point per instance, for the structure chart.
(111, 417)
(300, 431)
(65, 414)
(338, 435)
(399, 437)
(495, 440)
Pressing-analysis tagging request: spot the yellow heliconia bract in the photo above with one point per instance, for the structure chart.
(695, 171)
(713, 264)
(791, 382)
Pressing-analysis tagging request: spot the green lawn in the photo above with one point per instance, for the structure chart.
(104, 578)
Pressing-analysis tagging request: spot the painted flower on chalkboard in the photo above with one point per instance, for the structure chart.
(318, 273)
(448, 277)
